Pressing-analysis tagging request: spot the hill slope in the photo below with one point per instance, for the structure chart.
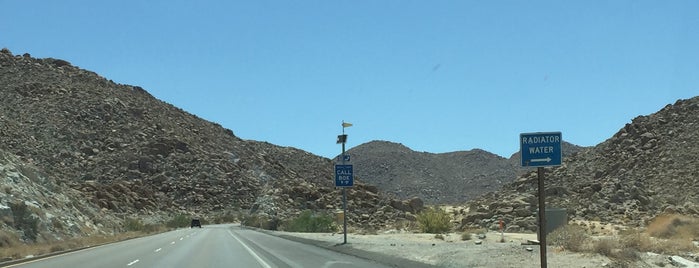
(112, 151)
(435, 178)
(646, 168)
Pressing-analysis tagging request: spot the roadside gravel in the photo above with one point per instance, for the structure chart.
(424, 250)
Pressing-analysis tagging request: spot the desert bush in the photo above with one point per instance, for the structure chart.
(673, 246)
(307, 221)
(56, 223)
(465, 236)
(434, 220)
(616, 250)
(153, 228)
(7, 239)
(179, 221)
(227, 217)
(673, 225)
(439, 236)
(605, 246)
(57, 248)
(251, 220)
(637, 241)
(24, 220)
(570, 237)
(133, 225)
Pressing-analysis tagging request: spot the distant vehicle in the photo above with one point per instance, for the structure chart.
(195, 223)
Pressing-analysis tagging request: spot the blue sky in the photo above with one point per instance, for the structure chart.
(436, 76)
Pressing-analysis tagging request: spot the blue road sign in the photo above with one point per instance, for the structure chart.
(541, 149)
(343, 176)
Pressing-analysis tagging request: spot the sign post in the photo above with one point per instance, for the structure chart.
(541, 149)
(344, 178)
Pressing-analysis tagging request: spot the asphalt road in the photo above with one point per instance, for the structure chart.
(210, 246)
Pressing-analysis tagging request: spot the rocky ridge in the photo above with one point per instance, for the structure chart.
(114, 151)
(648, 167)
(435, 178)
(443, 178)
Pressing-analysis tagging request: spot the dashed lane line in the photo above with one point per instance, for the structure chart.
(257, 257)
(132, 263)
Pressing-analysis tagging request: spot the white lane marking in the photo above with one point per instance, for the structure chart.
(181, 238)
(331, 263)
(159, 249)
(172, 243)
(259, 260)
(132, 263)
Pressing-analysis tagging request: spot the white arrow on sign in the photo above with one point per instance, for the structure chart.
(547, 159)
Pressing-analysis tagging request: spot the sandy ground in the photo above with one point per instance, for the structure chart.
(453, 252)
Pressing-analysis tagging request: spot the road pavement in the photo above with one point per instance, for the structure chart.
(210, 246)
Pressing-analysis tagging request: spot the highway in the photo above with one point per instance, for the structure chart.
(210, 246)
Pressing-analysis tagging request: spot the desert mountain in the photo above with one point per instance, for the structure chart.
(443, 178)
(648, 167)
(80, 153)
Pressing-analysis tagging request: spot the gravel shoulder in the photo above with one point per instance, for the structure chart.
(424, 250)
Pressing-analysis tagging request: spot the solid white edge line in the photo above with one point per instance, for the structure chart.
(257, 257)
(132, 263)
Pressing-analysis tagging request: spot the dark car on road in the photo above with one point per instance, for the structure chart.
(195, 223)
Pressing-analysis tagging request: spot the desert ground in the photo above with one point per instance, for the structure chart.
(452, 251)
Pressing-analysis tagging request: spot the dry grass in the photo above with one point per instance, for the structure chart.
(571, 237)
(673, 226)
(12, 248)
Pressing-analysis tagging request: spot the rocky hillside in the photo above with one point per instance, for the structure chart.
(435, 178)
(444, 178)
(83, 151)
(648, 167)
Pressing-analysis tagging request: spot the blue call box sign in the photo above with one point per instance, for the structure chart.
(343, 176)
(541, 149)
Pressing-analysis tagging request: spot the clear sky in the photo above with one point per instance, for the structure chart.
(436, 76)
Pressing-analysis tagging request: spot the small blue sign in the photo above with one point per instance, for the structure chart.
(343, 176)
(346, 158)
(541, 149)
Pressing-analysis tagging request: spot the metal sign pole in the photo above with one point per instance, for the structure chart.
(344, 198)
(343, 139)
(542, 217)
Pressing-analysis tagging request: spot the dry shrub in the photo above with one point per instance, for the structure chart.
(605, 246)
(465, 236)
(468, 232)
(7, 239)
(673, 246)
(637, 241)
(570, 237)
(672, 226)
(615, 249)
(673, 234)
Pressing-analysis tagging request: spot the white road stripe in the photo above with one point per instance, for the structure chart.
(181, 238)
(132, 263)
(172, 243)
(259, 260)
(159, 249)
